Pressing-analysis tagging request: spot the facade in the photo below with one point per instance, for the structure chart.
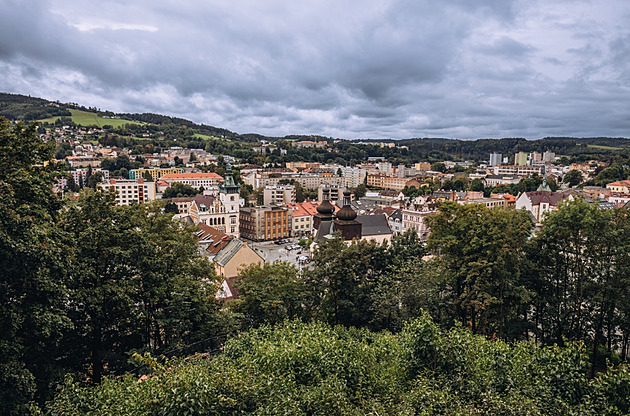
(220, 211)
(422, 166)
(196, 180)
(352, 177)
(520, 159)
(130, 192)
(302, 220)
(523, 171)
(395, 222)
(330, 192)
(549, 157)
(156, 173)
(84, 162)
(539, 203)
(495, 159)
(496, 180)
(487, 202)
(81, 175)
(307, 180)
(416, 220)
(234, 256)
(266, 222)
(390, 182)
(619, 186)
(279, 194)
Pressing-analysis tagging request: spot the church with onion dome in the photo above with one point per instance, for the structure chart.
(349, 224)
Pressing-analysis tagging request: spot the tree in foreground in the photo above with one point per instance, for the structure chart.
(481, 252)
(136, 283)
(33, 316)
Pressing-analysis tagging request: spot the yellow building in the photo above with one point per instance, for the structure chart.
(156, 173)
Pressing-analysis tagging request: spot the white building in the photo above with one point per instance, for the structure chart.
(279, 195)
(196, 179)
(130, 191)
(416, 220)
(495, 159)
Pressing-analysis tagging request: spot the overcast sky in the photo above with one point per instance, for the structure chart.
(348, 69)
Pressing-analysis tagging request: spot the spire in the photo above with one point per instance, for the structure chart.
(346, 213)
(229, 186)
(543, 186)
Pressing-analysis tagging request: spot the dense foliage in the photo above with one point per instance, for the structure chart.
(83, 287)
(317, 369)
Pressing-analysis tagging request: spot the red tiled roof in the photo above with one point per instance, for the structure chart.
(219, 239)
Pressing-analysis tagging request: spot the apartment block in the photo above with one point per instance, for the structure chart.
(279, 194)
(266, 222)
(129, 191)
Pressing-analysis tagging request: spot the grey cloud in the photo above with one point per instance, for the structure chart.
(398, 69)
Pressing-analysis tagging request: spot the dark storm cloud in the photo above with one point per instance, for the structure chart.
(459, 68)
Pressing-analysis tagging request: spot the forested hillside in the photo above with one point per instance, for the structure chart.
(20, 107)
(163, 129)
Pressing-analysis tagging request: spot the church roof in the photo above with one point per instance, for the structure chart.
(552, 198)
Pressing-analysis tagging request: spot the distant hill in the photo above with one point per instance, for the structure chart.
(22, 107)
(25, 108)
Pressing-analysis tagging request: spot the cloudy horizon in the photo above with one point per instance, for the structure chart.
(463, 69)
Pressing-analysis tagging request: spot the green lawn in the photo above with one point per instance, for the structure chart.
(595, 146)
(205, 136)
(85, 118)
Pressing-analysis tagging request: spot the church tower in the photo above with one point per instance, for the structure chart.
(229, 194)
(346, 220)
(325, 211)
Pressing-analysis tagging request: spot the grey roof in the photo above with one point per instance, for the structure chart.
(371, 225)
(225, 255)
(396, 215)
(325, 228)
(601, 203)
(374, 225)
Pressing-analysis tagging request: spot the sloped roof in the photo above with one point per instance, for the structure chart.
(396, 215)
(620, 183)
(374, 225)
(552, 198)
(206, 200)
(226, 253)
(371, 225)
(215, 239)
